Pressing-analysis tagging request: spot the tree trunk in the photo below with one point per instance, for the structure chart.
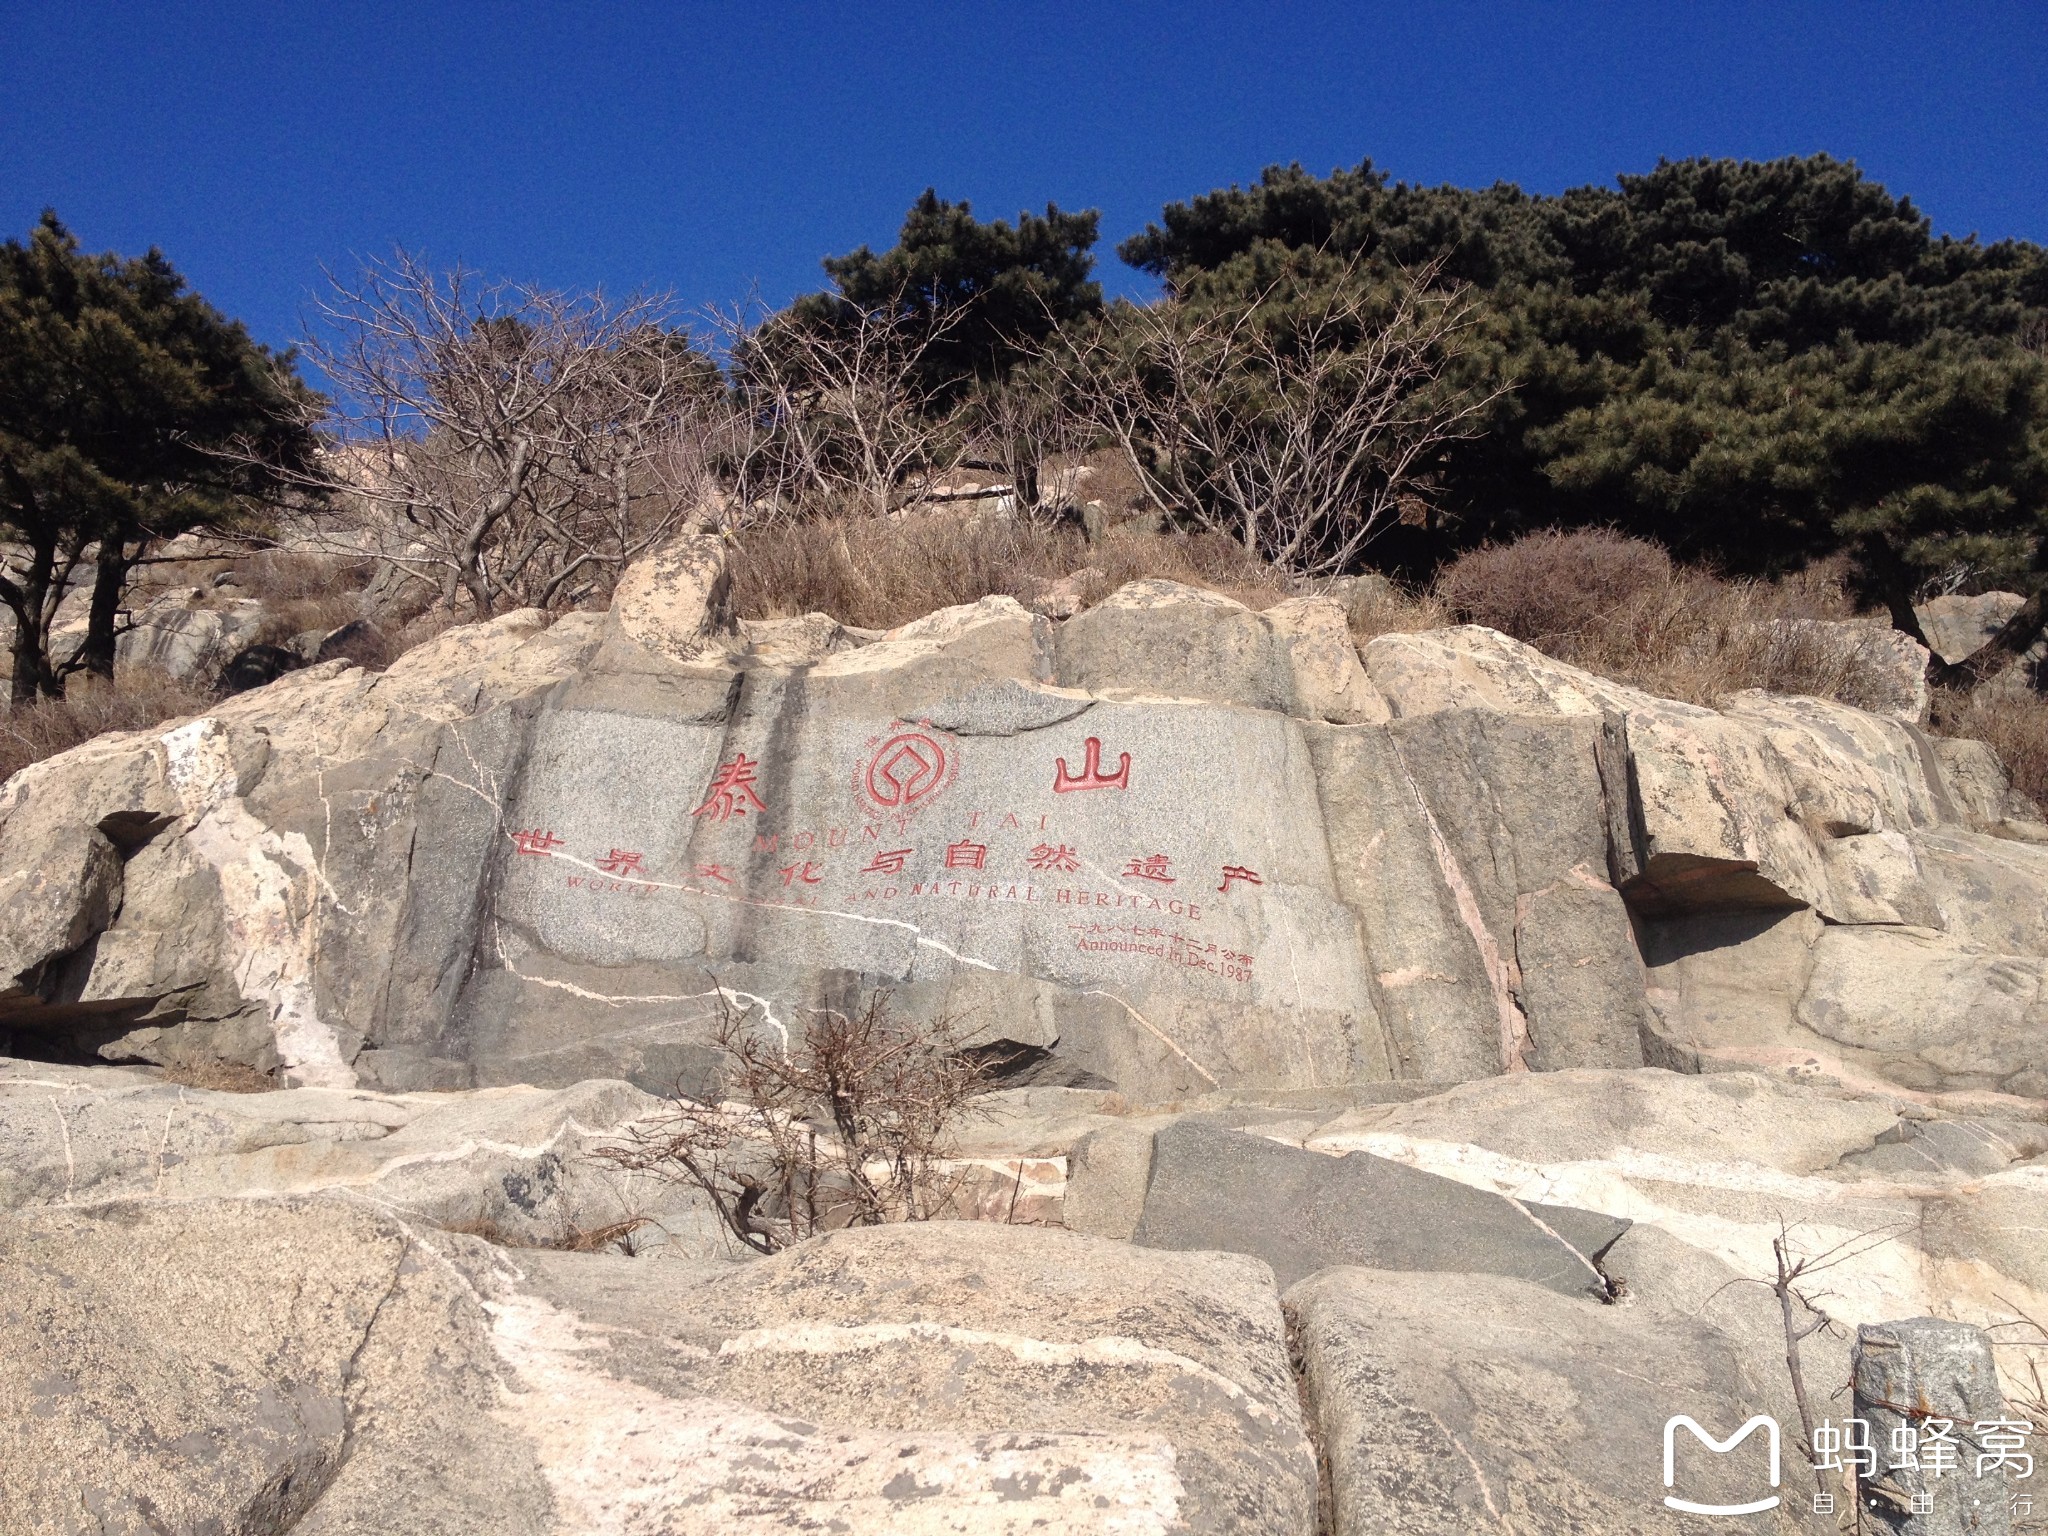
(109, 586)
(1895, 585)
(32, 676)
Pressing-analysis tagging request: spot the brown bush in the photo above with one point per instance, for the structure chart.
(32, 732)
(1381, 607)
(852, 1123)
(877, 573)
(2015, 724)
(1555, 590)
(1620, 607)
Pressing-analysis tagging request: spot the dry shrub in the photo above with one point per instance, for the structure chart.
(1555, 590)
(1381, 607)
(2015, 723)
(1620, 607)
(32, 732)
(851, 1124)
(286, 619)
(284, 575)
(877, 573)
(1193, 559)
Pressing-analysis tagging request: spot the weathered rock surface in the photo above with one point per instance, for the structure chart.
(513, 1162)
(1939, 1210)
(1911, 1375)
(1529, 1412)
(314, 1365)
(1211, 1188)
(1957, 625)
(1170, 846)
(262, 1366)
(185, 638)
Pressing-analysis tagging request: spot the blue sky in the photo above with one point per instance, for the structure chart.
(705, 148)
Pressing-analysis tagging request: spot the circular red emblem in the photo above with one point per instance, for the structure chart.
(907, 768)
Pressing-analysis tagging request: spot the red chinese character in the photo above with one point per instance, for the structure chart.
(890, 863)
(1091, 775)
(714, 872)
(542, 843)
(808, 872)
(1238, 872)
(1045, 856)
(620, 862)
(1151, 867)
(966, 855)
(732, 780)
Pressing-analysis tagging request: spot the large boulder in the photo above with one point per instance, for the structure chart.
(1211, 1187)
(1957, 625)
(191, 636)
(939, 1377)
(1458, 1403)
(676, 602)
(518, 1164)
(265, 1366)
(317, 1366)
(1923, 1209)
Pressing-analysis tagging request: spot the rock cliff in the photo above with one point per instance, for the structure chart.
(1169, 846)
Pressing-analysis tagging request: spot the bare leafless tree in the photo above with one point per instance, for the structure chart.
(514, 445)
(850, 1125)
(1017, 426)
(833, 411)
(1299, 423)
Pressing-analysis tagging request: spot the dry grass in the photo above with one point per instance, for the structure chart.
(220, 1077)
(90, 708)
(1622, 608)
(1381, 607)
(2014, 723)
(567, 1237)
(877, 574)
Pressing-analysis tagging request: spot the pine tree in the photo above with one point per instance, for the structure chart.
(1007, 286)
(1757, 364)
(117, 388)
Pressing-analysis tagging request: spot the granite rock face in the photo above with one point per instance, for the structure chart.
(1169, 846)
(315, 1365)
(1211, 1188)
(1532, 1412)
(1912, 1377)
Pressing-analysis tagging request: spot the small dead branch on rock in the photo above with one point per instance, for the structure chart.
(1802, 1317)
(2026, 1380)
(851, 1124)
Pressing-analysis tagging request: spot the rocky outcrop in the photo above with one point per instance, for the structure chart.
(191, 637)
(1217, 1188)
(1170, 846)
(318, 1366)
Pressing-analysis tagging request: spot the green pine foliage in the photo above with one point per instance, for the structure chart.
(1009, 285)
(1752, 363)
(118, 389)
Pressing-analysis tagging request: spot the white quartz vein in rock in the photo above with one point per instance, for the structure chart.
(917, 935)
(267, 915)
(1104, 1349)
(623, 1460)
(1889, 1280)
